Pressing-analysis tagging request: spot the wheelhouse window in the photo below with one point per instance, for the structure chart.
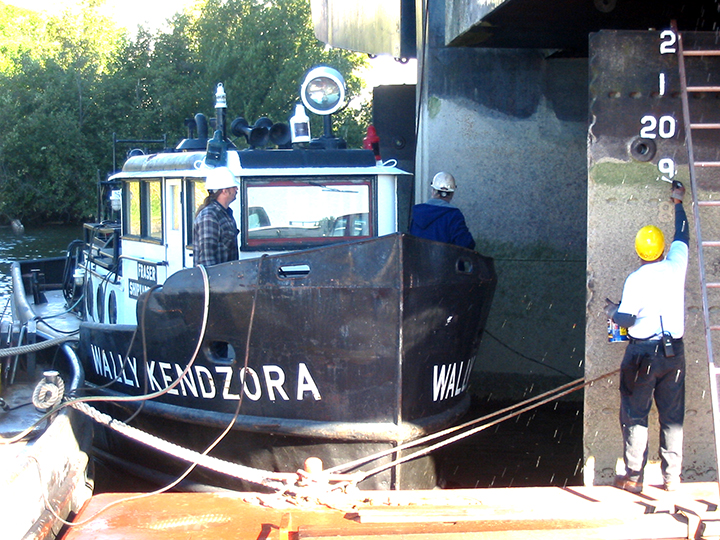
(282, 213)
(154, 209)
(132, 221)
(196, 193)
(143, 209)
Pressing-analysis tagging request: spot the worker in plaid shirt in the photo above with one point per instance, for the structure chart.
(214, 231)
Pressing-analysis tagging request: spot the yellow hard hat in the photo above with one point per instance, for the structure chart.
(649, 243)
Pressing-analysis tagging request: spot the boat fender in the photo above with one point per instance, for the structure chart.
(49, 391)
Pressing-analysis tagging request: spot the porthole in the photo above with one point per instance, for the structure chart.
(100, 304)
(89, 298)
(112, 308)
(463, 266)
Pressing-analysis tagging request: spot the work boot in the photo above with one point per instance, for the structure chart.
(623, 482)
(670, 485)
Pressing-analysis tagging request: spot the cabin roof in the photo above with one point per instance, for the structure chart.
(266, 163)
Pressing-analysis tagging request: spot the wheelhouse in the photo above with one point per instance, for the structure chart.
(289, 199)
(304, 193)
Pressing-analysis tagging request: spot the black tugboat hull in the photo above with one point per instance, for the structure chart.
(351, 349)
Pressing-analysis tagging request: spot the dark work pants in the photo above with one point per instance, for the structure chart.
(647, 374)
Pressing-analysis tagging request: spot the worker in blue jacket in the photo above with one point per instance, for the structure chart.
(438, 219)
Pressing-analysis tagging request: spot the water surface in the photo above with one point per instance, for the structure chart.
(37, 242)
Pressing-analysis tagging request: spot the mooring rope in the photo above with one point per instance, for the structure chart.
(502, 414)
(517, 409)
(277, 481)
(34, 347)
(294, 484)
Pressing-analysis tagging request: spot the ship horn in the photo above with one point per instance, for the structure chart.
(257, 135)
(239, 127)
(202, 125)
(280, 135)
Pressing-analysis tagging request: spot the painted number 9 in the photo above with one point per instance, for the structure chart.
(652, 127)
(667, 167)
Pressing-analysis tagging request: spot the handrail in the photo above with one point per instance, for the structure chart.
(143, 260)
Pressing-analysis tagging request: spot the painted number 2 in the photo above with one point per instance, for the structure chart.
(652, 127)
(667, 45)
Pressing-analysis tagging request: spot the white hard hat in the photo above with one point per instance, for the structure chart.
(219, 178)
(443, 182)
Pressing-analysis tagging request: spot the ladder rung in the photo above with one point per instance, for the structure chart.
(714, 52)
(707, 163)
(711, 243)
(704, 126)
(715, 328)
(708, 203)
(703, 88)
(713, 285)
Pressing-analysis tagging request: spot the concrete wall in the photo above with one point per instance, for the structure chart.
(514, 127)
(511, 126)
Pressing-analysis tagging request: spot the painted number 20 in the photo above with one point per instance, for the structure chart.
(652, 127)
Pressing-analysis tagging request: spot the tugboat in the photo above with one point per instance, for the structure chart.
(334, 335)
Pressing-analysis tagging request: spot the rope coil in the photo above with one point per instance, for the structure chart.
(47, 394)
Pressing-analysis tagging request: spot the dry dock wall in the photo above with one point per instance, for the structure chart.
(512, 126)
(629, 108)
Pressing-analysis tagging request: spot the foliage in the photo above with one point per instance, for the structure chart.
(49, 145)
(69, 83)
(20, 30)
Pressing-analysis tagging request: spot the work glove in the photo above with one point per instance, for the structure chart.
(678, 190)
(610, 308)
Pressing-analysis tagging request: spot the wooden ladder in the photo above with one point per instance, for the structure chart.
(697, 58)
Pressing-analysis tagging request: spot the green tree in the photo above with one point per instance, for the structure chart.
(260, 51)
(21, 31)
(68, 83)
(49, 147)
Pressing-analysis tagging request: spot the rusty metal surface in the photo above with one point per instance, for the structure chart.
(512, 513)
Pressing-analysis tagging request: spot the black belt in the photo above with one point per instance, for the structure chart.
(652, 340)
